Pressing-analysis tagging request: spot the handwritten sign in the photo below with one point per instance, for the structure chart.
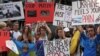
(86, 12)
(57, 47)
(4, 35)
(62, 15)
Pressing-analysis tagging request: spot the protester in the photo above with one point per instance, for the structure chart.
(43, 32)
(24, 47)
(59, 33)
(26, 35)
(43, 28)
(89, 41)
(74, 45)
(3, 27)
(15, 32)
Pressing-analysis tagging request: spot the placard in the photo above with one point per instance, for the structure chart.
(57, 47)
(12, 46)
(86, 12)
(12, 11)
(42, 11)
(4, 35)
(62, 15)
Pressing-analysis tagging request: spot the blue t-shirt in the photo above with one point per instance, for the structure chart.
(89, 45)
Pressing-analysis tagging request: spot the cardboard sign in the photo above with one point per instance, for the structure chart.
(4, 35)
(62, 15)
(12, 46)
(13, 10)
(42, 11)
(86, 12)
(57, 47)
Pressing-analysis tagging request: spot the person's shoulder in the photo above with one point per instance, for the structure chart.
(98, 35)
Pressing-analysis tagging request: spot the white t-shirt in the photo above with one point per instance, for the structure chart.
(16, 34)
(44, 38)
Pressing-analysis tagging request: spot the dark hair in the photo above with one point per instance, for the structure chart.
(58, 28)
(42, 27)
(56, 32)
(29, 36)
(91, 26)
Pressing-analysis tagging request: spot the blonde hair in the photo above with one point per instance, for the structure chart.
(2, 25)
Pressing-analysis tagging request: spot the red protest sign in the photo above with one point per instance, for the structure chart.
(4, 35)
(42, 11)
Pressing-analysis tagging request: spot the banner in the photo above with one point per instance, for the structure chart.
(4, 35)
(57, 47)
(42, 11)
(86, 12)
(12, 46)
(13, 11)
(62, 15)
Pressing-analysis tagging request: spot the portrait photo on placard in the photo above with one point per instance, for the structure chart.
(45, 13)
(32, 13)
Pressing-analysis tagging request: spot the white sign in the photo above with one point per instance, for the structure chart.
(86, 12)
(12, 46)
(57, 47)
(12, 10)
(62, 15)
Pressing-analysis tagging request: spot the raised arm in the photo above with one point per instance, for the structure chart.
(48, 30)
(19, 44)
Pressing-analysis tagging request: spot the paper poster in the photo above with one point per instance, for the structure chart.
(57, 47)
(39, 12)
(12, 46)
(62, 15)
(86, 12)
(12, 10)
(4, 35)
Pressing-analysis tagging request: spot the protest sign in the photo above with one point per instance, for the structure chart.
(86, 12)
(62, 15)
(12, 46)
(4, 35)
(57, 47)
(13, 10)
(42, 11)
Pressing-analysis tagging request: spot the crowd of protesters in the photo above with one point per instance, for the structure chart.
(27, 40)
(85, 40)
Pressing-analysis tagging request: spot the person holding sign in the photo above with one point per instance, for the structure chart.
(42, 27)
(3, 31)
(89, 41)
(24, 47)
(41, 35)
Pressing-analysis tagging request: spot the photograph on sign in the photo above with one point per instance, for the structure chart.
(13, 10)
(32, 13)
(45, 13)
(39, 12)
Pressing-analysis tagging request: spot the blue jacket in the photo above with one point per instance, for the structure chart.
(89, 45)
